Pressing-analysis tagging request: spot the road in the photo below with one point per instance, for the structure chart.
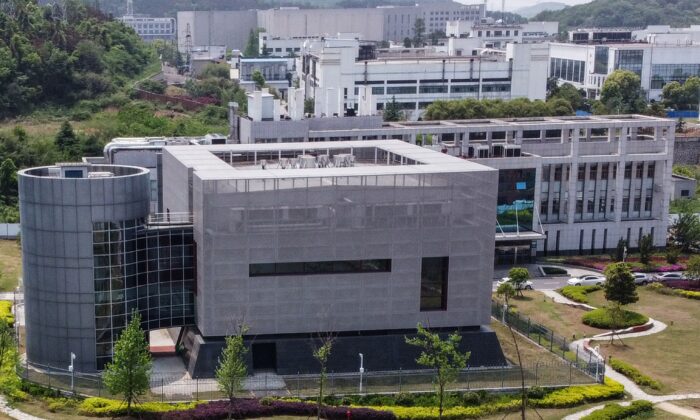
(544, 283)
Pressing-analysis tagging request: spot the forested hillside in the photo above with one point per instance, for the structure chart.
(47, 58)
(639, 13)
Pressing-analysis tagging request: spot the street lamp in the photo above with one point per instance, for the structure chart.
(362, 370)
(72, 371)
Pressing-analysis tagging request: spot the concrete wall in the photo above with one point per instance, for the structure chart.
(57, 222)
(430, 215)
(216, 27)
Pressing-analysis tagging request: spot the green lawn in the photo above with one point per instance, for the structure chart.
(10, 265)
(564, 320)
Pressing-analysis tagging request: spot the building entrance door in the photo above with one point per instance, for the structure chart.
(264, 356)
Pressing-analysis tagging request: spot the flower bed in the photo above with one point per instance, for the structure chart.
(661, 288)
(657, 263)
(252, 408)
(6, 312)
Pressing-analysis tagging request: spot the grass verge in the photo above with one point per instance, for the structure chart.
(10, 265)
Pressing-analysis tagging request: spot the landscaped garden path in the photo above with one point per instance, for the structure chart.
(633, 389)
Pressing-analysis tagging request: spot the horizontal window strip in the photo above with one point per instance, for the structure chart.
(319, 267)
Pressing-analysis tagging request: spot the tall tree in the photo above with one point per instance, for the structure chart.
(252, 47)
(620, 289)
(442, 355)
(66, 140)
(419, 33)
(8, 181)
(685, 231)
(129, 371)
(622, 93)
(232, 368)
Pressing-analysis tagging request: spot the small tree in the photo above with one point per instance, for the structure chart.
(620, 289)
(130, 369)
(646, 247)
(407, 42)
(693, 270)
(392, 111)
(321, 353)
(259, 79)
(232, 369)
(442, 355)
(518, 276)
(506, 291)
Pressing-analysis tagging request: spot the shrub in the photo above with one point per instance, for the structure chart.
(617, 412)
(39, 391)
(672, 255)
(6, 312)
(602, 318)
(60, 404)
(103, 407)
(634, 374)
(660, 288)
(452, 413)
(578, 293)
(577, 395)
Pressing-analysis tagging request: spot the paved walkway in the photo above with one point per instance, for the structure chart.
(13, 412)
(662, 401)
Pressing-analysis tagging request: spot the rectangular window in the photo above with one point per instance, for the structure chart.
(319, 267)
(651, 169)
(433, 283)
(400, 90)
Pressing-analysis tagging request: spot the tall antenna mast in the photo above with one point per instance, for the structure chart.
(130, 7)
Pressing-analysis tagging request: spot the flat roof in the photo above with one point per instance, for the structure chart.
(208, 166)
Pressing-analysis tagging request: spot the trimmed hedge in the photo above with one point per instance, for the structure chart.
(582, 394)
(618, 412)
(578, 293)
(6, 312)
(103, 407)
(601, 318)
(660, 288)
(634, 374)
(252, 408)
(562, 398)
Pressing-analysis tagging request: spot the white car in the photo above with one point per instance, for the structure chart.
(590, 280)
(641, 278)
(669, 276)
(526, 285)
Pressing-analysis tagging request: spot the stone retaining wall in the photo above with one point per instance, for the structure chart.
(687, 151)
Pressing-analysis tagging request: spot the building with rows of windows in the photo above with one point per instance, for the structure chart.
(362, 240)
(658, 55)
(150, 28)
(332, 71)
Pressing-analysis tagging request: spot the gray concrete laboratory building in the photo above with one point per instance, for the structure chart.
(358, 239)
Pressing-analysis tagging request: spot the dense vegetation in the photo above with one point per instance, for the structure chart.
(47, 58)
(496, 108)
(616, 13)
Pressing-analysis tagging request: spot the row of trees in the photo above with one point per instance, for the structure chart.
(129, 372)
(52, 57)
(496, 108)
(682, 96)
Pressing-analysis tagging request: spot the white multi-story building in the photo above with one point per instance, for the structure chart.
(333, 71)
(150, 28)
(493, 34)
(656, 57)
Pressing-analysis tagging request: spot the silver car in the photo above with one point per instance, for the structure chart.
(526, 285)
(641, 278)
(590, 280)
(669, 277)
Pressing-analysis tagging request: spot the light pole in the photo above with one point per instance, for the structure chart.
(72, 372)
(362, 369)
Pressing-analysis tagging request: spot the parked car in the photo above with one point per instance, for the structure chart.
(526, 285)
(590, 280)
(669, 277)
(641, 278)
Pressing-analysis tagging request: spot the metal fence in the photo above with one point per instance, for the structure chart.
(543, 336)
(179, 388)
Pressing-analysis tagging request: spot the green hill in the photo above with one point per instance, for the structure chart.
(635, 13)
